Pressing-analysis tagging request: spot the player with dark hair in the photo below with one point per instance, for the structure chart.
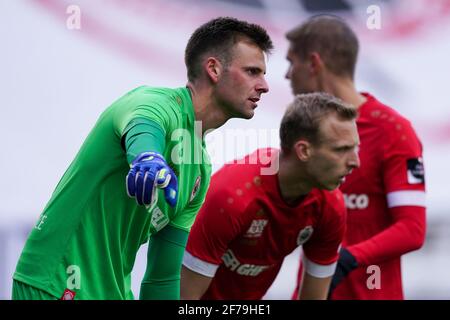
(385, 197)
(259, 210)
(142, 175)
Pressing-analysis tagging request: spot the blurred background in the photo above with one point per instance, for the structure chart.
(63, 62)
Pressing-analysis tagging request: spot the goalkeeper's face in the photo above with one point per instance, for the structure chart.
(242, 81)
(336, 155)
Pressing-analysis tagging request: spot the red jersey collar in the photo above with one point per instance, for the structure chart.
(271, 186)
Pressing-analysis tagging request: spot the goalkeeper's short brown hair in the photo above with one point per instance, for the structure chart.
(217, 37)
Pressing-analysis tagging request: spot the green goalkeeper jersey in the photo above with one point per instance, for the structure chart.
(88, 235)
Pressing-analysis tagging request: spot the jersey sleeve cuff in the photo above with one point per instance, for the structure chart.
(318, 270)
(199, 266)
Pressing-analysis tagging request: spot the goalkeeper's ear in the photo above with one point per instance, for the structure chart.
(214, 69)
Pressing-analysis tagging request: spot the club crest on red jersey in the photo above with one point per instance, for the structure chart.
(304, 235)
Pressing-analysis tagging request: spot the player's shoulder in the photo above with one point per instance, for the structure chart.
(383, 115)
(144, 89)
(252, 165)
(333, 203)
(243, 178)
(146, 95)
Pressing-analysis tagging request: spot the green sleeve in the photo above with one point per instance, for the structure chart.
(142, 135)
(164, 258)
(157, 105)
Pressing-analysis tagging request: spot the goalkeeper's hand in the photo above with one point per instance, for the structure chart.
(149, 171)
(346, 263)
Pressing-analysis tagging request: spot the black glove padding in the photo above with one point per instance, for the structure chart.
(345, 265)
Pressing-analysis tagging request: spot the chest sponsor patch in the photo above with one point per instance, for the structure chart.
(244, 269)
(415, 171)
(356, 201)
(304, 235)
(256, 228)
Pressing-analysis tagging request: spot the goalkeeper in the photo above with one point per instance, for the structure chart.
(141, 175)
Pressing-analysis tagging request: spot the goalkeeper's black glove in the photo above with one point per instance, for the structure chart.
(345, 265)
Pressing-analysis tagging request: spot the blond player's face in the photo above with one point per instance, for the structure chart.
(337, 153)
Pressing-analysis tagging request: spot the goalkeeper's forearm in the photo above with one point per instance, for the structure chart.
(160, 290)
(165, 254)
(143, 135)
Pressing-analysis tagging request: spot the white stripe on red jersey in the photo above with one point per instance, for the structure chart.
(197, 265)
(318, 270)
(406, 198)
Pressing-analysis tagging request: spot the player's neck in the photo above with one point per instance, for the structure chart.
(205, 108)
(292, 184)
(344, 89)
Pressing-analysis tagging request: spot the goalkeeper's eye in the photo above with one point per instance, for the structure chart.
(253, 71)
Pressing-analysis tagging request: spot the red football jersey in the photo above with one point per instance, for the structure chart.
(385, 199)
(245, 229)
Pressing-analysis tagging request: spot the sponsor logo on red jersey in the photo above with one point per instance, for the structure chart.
(244, 269)
(356, 201)
(256, 228)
